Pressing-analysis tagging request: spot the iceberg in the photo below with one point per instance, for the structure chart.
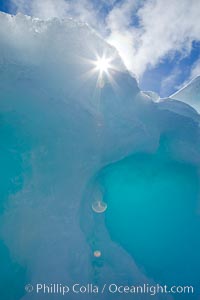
(65, 121)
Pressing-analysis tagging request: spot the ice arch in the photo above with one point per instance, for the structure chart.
(63, 130)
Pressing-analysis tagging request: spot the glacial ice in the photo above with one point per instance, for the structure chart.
(190, 94)
(58, 130)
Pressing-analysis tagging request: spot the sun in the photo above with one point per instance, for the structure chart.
(102, 65)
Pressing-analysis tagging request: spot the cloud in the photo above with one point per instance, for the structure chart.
(123, 35)
(164, 27)
(169, 82)
(194, 72)
(144, 31)
(167, 26)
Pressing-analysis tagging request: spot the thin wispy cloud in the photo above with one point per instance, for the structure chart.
(195, 70)
(169, 81)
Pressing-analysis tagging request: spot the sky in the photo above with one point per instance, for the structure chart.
(158, 40)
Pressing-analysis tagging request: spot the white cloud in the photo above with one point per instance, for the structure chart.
(162, 27)
(168, 26)
(122, 34)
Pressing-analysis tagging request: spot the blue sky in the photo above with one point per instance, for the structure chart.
(4, 6)
(159, 78)
(158, 40)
